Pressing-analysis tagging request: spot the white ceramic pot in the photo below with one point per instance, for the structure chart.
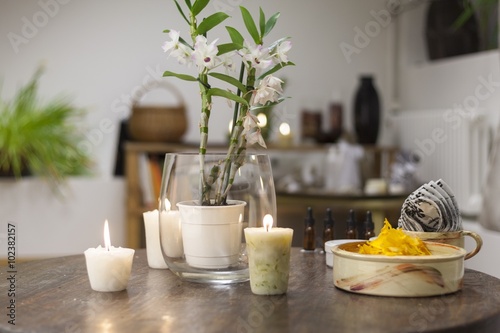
(211, 235)
(401, 276)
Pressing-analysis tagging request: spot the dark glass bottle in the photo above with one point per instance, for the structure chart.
(366, 112)
(309, 233)
(369, 226)
(328, 233)
(351, 231)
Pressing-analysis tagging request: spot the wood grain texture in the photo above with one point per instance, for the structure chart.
(54, 295)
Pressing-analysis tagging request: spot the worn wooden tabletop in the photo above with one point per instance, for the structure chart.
(54, 295)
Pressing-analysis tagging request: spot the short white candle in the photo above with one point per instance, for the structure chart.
(268, 252)
(153, 248)
(171, 232)
(109, 267)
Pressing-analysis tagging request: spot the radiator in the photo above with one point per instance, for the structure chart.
(450, 144)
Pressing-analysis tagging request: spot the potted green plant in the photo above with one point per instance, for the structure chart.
(40, 139)
(206, 187)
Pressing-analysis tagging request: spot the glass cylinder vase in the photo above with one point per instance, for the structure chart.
(204, 242)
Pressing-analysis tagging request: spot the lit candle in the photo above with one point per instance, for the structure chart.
(262, 118)
(153, 249)
(171, 233)
(109, 267)
(268, 252)
(285, 135)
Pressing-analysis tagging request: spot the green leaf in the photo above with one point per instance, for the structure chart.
(226, 94)
(208, 23)
(184, 77)
(262, 22)
(268, 104)
(225, 48)
(271, 23)
(275, 69)
(236, 37)
(229, 79)
(188, 3)
(180, 11)
(250, 24)
(198, 6)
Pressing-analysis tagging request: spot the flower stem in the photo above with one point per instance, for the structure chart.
(237, 147)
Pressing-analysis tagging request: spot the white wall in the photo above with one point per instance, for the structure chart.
(69, 222)
(445, 83)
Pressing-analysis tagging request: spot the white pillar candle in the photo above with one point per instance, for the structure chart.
(268, 252)
(153, 248)
(171, 232)
(109, 267)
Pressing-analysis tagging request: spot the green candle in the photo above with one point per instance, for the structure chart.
(268, 252)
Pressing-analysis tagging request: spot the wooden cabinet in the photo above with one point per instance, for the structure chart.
(291, 208)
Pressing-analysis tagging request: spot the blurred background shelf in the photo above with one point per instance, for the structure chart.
(291, 207)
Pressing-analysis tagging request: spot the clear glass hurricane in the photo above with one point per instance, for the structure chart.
(206, 243)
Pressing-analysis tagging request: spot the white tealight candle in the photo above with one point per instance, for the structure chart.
(153, 249)
(268, 252)
(109, 267)
(171, 232)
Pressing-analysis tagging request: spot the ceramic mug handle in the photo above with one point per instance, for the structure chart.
(477, 239)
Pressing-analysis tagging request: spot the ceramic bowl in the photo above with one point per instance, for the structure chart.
(399, 276)
(329, 245)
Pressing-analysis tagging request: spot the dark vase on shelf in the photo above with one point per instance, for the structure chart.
(366, 112)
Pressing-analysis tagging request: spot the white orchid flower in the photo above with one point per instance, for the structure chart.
(227, 61)
(256, 137)
(250, 122)
(204, 55)
(257, 55)
(177, 49)
(282, 50)
(251, 130)
(268, 90)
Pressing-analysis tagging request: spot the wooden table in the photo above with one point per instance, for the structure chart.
(54, 295)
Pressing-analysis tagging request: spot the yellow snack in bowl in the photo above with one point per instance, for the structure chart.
(394, 242)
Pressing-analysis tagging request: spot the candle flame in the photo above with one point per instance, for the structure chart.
(107, 238)
(284, 129)
(268, 222)
(262, 119)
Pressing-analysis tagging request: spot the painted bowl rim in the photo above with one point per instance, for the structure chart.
(453, 253)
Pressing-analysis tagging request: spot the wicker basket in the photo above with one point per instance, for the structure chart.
(158, 123)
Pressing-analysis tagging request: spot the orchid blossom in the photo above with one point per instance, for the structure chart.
(257, 60)
(204, 55)
(176, 48)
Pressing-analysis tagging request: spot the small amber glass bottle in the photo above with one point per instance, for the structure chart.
(369, 226)
(328, 232)
(309, 233)
(351, 231)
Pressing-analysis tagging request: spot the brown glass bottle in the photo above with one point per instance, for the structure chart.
(351, 231)
(328, 232)
(309, 233)
(369, 226)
